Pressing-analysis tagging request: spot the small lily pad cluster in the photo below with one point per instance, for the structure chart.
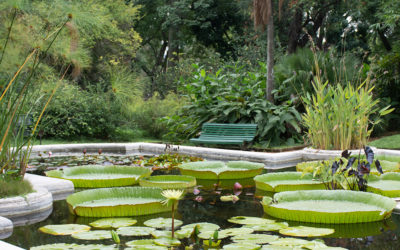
(208, 234)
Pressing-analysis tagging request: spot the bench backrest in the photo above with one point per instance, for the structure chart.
(247, 131)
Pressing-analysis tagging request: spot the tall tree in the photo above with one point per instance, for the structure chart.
(262, 13)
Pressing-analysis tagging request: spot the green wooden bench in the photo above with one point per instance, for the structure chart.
(219, 133)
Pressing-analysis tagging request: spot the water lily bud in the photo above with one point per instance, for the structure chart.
(50, 153)
(237, 186)
(196, 191)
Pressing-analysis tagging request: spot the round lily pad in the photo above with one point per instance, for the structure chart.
(255, 238)
(302, 231)
(210, 234)
(236, 231)
(203, 226)
(135, 231)
(242, 246)
(275, 247)
(113, 223)
(144, 245)
(183, 233)
(162, 223)
(247, 220)
(65, 246)
(92, 235)
(276, 226)
(65, 229)
(289, 242)
(161, 234)
(167, 241)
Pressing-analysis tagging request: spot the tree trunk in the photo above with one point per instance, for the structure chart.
(270, 56)
(295, 29)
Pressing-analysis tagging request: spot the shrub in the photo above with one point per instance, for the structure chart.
(233, 95)
(147, 114)
(79, 113)
(14, 187)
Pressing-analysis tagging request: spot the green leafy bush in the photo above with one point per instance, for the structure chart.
(233, 95)
(79, 113)
(14, 187)
(147, 114)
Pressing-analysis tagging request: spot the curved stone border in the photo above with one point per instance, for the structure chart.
(6, 228)
(27, 209)
(58, 188)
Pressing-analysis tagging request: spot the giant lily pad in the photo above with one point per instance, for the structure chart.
(65, 229)
(168, 181)
(329, 206)
(113, 202)
(387, 165)
(287, 181)
(387, 184)
(247, 220)
(135, 231)
(93, 235)
(113, 223)
(64, 246)
(302, 231)
(255, 238)
(94, 176)
(162, 223)
(221, 170)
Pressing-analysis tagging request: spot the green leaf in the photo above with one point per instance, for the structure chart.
(93, 235)
(242, 246)
(135, 231)
(113, 223)
(167, 241)
(168, 181)
(303, 231)
(65, 246)
(203, 226)
(65, 229)
(247, 220)
(276, 226)
(255, 238)
(163, 223)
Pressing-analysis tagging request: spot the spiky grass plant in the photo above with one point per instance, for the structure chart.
(171, 198)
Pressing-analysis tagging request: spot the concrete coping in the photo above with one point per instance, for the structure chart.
(58, 188)
(6, 227)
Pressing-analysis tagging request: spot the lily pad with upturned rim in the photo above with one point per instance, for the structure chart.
(287, 181)
(248, 220)
(95, 176)
(66, 246)
(64, 229)
(162, 223)
(168, 181)
(387, 184)
(135, 231)
(329, 206)
(302, 231)
(221, 170)
(113, 223)
(93, 235)
(115, 202)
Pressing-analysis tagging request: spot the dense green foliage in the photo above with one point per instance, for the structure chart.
(234, 95)
(14, 188)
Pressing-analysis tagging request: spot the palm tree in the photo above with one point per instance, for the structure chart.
(262, 14)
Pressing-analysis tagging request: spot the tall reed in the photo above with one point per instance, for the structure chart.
(338, 116)
(16, 103)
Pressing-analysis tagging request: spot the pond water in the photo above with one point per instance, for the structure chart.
(207, 207)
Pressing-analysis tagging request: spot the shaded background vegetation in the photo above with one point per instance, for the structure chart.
(192, 61)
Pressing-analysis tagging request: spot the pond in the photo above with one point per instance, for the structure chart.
(206, 206)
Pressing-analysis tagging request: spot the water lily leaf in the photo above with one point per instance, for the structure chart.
(65, 229)
(161, 234)
(65, 246)
(113, 223)
(164, 241)
(144, 245)
(289, 242)
(92, 235)
(247, 220)
(162, 223)
(255, 238)
(209, 234)
(276, 247)
(243, 246)
(276, 226)
(183, 233)
(135, 231)
(302, 231)
(203, 226)
(236, 231)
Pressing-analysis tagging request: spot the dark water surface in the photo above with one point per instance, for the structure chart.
(206, 207)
